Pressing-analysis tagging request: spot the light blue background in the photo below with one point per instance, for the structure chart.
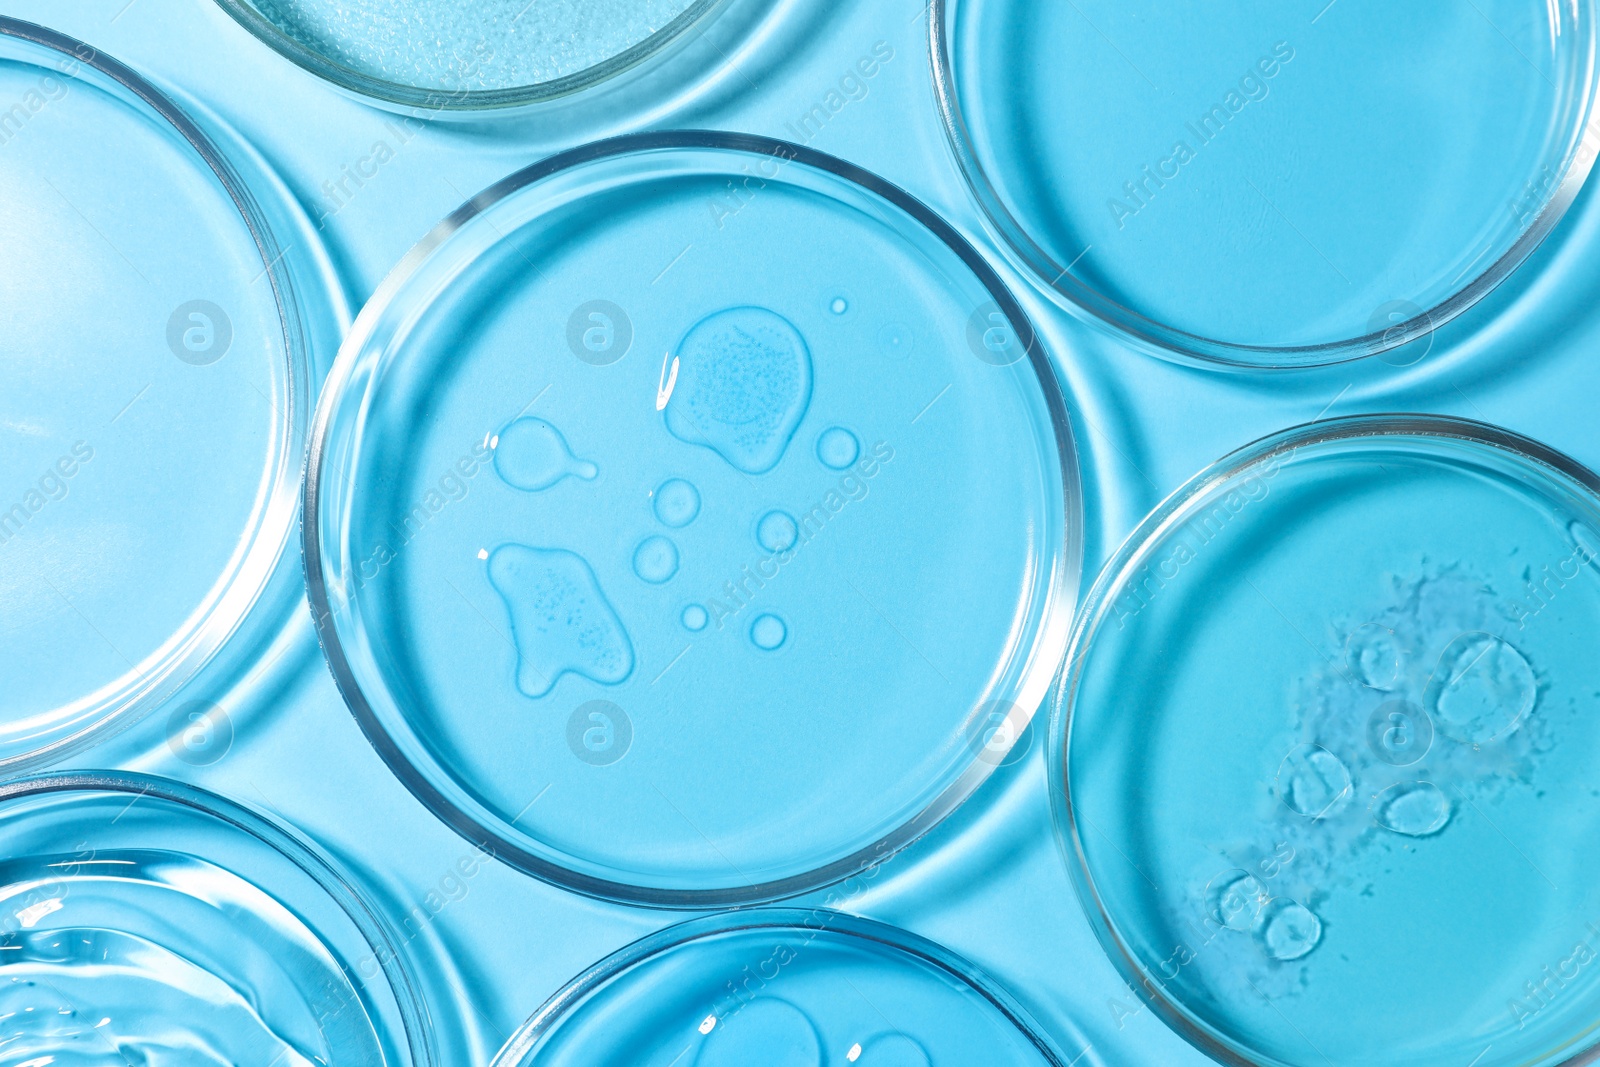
(990, 883)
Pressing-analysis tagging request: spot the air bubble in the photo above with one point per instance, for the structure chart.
(1373, 653)
(676, 503)
(777, 531)
(768, 632)
(1288, 930)
(1313, 781)
(1481, 689)
(838, 448)
(838, 305)
(655, 560)
(530, 454)
(897, 340)
(1415, 809)
(695, 618)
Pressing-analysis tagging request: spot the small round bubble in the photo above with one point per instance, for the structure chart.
(677, 503)
(768, 632)
(838, 448)
(777, 531)
(655, 560)
(695, 618)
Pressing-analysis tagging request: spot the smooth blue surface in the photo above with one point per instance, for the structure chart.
(990, 883)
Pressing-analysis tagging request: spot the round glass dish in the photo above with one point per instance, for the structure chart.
(785, 988)
(163, 296)
(451, 56)
(144, 921)
(1276, 184)
(1325, 750)
(693, 519)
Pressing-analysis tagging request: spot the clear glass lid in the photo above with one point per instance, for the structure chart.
(1270, 184)
(693, 519)
(452, 56)
(786, 989)
(160, 301)
(1325, 750)
(146, 922)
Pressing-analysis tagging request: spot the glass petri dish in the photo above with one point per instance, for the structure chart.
(790, 988)
(693, 519)
(1324, 750)
(144, 921)
(453, 56)
(1273, 185)
(162, 300)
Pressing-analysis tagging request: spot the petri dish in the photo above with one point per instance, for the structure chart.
(792, 988)
(1324, 750)
(144, 921)
(163, 299)
(453, 56)
(693, 519)
(1273, 185)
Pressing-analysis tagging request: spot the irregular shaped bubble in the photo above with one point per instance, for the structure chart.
(777, 531)
(889, 1050)
(744, 382)
(1235, 898)
(1481, 689)
(837, 448)
(1415, 809)
(531, 454)
(769, 1032)
(1399, 733)
(560, 620)
(1288, 930)
(676, 503)
(695, 618)
(1313, 781)
(1373, 653)
(768, 632)
(655, 560)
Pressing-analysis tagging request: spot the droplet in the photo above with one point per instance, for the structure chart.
(560, 620)
(1399, 733)
(838, 448)
(695, 618)
(1480, 690)
(897, 340)
(768, 632)
(1234, 899)
(1313, 781)
(838, 305)
(777, 531)
(1373, 653)
(1288, 930)
(768, 1031)
(676, 503)
(1415, 809)
(531, 454)
(655, 560)
(744, 384)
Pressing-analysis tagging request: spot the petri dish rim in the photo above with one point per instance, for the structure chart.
(1092, 612)
(184, 654)
(466, 101)
(374, 929)
(1196, 349)
(811, 920)
(348, 374)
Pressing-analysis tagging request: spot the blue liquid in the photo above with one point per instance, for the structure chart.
(676, 503)
(561, 621)
(743, 387)
(655, 560)
(837, 448)
(1313, 792)
(531, 454)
